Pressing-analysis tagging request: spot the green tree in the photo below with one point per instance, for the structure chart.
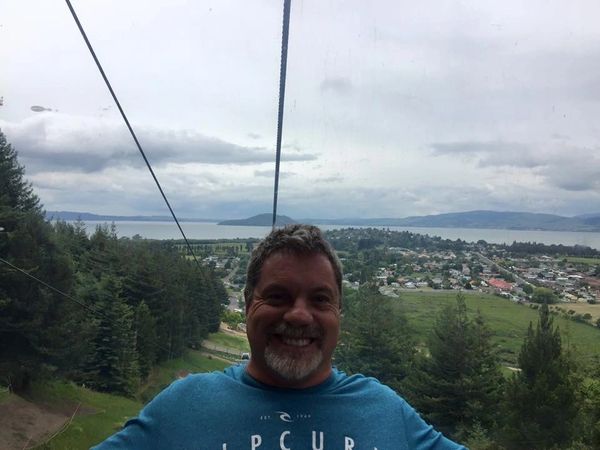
(541, 401)
(31, 315)
(113, 365)
(544, 295)
(232, 318)
(590, 425)
(458, 384)
(145, 339)
(375, 338)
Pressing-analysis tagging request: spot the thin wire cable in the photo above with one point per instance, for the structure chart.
(133, 135)
(282, 74)
(73, 299)
(79, 302)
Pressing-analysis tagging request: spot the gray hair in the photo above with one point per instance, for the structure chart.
(296, 239)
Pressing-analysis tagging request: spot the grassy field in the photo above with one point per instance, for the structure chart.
(103, 414)
(581, 308)
(233, 341)
(109, 412)
(578, 260)
(508, 321)
(164, 375)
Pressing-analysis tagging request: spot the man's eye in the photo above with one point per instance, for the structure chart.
(276, 297)
(321, 299)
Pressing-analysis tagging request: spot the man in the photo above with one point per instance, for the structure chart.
(288, 396)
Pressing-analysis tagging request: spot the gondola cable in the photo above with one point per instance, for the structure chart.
(282, 80)
(133, 135)
(96, 312)
(58, 291)
(282, 76)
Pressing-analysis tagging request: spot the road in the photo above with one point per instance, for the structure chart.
(502, 269)
(233, 300)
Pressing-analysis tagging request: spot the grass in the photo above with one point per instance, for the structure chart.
(107, 413)
(4, 394)
(112, 411)
(236, 342)
(508, 321)
(581, 260)
(581, 308)
(166, 373)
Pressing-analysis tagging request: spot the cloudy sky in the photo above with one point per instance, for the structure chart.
(393, 108)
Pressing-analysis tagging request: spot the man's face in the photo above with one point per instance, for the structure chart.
(293, 320)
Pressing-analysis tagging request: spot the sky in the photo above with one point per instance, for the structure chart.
(392, 108)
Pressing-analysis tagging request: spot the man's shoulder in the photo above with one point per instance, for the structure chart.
(365, 385)
(198, 385)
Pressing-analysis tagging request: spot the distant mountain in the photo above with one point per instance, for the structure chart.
(496, 219)
(590, 219)
(471, 219)
(260, 220)
(480, 219)
(588, 216)
(74, 215)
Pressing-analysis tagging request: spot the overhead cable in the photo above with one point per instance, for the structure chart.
(137, 143)
(282, 74)
(79, 302)
(58, 291)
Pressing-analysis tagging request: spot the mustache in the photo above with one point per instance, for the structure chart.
(313, 331)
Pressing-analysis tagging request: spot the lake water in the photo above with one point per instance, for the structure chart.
(203, 230)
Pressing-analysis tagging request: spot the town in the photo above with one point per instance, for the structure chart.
(403, 261)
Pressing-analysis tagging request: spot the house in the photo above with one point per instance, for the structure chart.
(499, 284)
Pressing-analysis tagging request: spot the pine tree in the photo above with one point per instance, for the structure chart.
(375, 339)
(113, 365)
(30, 315)
(145, 337)
(541, 402)
(458, 384)
(590, 425)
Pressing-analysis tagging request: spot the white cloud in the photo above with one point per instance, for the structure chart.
(90, 144)
(392, 109)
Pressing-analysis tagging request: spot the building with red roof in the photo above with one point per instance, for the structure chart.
(500, 284)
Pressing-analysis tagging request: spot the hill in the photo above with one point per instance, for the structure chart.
(507, 321)
(480, 219)
(62, 415)
(260, 220)
(75, 215)
(507, 220)
(590, 219)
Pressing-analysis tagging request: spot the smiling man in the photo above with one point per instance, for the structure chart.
(293, 315)
(288, 396)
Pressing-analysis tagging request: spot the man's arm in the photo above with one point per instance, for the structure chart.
(422, 436)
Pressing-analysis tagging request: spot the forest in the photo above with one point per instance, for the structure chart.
(111, 309)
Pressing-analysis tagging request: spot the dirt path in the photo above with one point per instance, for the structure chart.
(23, 424)
(210, 355)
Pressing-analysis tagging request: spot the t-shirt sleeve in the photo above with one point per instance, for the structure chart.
(422, 436)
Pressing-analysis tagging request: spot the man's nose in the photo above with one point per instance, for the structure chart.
(299, 313)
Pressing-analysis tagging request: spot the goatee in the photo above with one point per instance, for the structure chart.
(294, 366)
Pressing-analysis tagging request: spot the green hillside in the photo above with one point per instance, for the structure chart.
(507, 320)
(100, 415)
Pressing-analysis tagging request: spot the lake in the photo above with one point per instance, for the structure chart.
(205, 230)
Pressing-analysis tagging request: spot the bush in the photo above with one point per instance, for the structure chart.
(544, 295)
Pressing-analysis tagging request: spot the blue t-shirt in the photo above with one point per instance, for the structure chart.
(231, 411)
